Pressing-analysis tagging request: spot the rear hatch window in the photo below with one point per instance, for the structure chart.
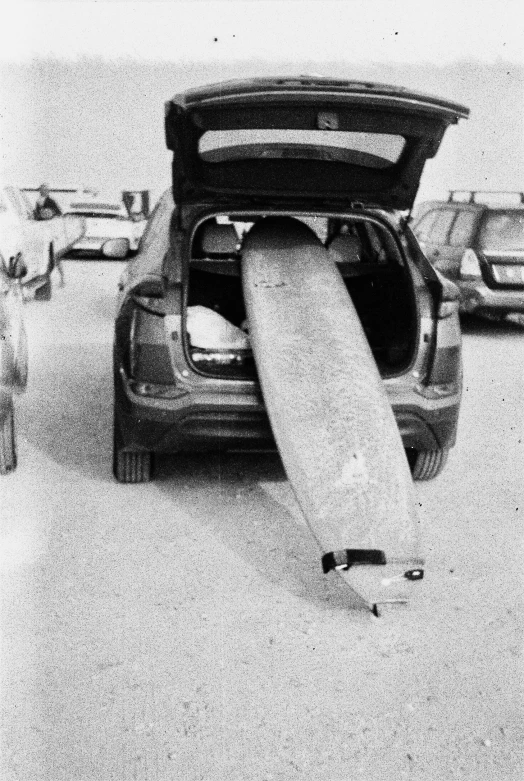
(372, 150)
(502, 231)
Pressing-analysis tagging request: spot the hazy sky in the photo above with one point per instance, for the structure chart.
(120, 60)
(437, 31)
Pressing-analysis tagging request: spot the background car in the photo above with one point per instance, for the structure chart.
(105, 219)
(185, 377)
(476, 239)
(40, 243)
(13, 356)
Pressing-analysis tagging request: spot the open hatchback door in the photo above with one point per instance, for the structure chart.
(313, 139)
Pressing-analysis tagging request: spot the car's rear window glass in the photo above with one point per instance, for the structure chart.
(26, 203)
(17, 203)
(422, 229)
(363, 241)
(462, 228)
(372, 150)
(440, 230)
(502, 230)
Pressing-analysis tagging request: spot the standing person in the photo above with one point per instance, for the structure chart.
(45, 209)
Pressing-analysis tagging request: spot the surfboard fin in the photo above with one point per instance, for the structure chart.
(378, 582)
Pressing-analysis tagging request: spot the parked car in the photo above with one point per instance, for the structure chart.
(345, 158)
(13, 356)
(105, 219)
(40, 243)
(478, 243)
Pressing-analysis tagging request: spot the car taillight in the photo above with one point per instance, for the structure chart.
(132, 345)
(438, 390)
(447, 308)
(444, 377)
(448, 304)
(149, 359)
(149, 296)
(157, 390)
(469, 265)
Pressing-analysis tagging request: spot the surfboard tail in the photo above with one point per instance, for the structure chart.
(377, 581)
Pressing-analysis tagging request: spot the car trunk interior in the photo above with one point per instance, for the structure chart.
(367, 256)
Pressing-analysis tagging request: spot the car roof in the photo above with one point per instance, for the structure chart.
(237, 88)
(479, 199)
(473, 206)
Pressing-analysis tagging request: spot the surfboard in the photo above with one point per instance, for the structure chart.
(329, 411)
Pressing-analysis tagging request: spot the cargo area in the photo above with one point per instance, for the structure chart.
(367, 256)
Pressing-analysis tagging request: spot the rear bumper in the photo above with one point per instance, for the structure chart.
(207, 420)
(93, 245)
(478, 297)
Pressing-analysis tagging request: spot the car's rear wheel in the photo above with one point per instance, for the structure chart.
(427, 464)
(8, 443)
(130, 466)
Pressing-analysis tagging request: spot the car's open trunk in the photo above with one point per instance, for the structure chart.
(368, 257)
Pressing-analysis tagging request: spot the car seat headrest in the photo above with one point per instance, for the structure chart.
(345, 249)
(219, 239)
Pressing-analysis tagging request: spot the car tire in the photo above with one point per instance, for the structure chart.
(44, 293)
(8, 443)
(427, 464)
(130, 466)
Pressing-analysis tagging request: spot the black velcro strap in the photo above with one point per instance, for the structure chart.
(344, 559)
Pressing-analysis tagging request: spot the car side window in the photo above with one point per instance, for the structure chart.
(20, 202)
(26, 204)
(423, 229)
(462, 229)
(440, 229)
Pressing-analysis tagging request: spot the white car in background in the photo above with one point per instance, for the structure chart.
(40, 244)
(105, 220)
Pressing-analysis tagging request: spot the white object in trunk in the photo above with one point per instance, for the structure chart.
(208, 330)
